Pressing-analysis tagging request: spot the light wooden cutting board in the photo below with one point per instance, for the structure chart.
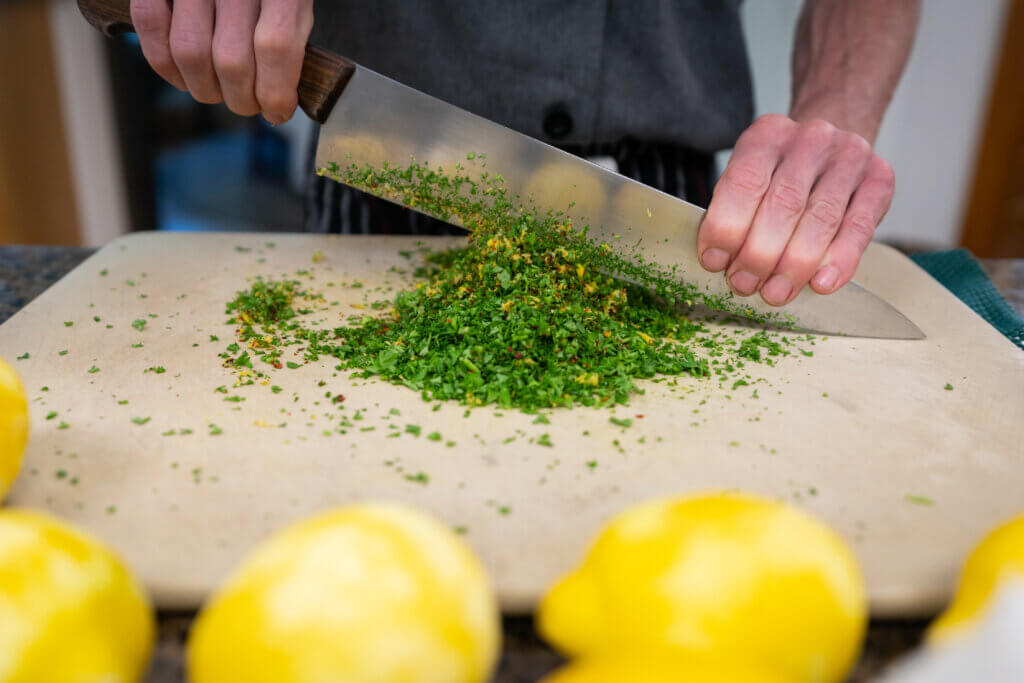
(910, 473)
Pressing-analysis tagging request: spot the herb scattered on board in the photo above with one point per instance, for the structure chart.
(919, 500)
(948, 387)
(530, 314)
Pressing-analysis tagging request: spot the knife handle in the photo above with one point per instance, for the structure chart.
(324, 74)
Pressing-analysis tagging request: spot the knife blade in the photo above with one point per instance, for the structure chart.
(367, 118)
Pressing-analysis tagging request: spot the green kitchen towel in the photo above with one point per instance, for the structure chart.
(959, 272)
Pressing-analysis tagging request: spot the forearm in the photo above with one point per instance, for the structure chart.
(848, 58)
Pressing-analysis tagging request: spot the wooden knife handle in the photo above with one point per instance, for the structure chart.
(324, 74)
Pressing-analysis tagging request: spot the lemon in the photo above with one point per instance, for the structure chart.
(69, 610)
(13, 426)
(660, 667)
(999, 556)
(362, 593)
(738, 577)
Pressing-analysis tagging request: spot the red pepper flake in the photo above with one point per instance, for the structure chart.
(338, 398)
(639, 417)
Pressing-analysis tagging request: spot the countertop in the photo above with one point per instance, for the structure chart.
(26, 271)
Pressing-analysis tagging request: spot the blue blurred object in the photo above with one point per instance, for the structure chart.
(235, 181)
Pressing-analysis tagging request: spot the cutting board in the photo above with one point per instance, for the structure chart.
(862, 434)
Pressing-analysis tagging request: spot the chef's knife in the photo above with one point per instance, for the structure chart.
(367, 118)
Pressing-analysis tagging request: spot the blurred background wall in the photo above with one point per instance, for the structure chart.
(934, 125)
(93, 145)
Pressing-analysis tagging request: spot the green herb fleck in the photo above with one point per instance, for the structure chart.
(418, 478)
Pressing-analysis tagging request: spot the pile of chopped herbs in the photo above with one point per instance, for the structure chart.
(529, 314)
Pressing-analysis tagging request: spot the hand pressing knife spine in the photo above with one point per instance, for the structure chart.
(369, 119)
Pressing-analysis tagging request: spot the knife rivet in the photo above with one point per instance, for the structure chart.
(557, 121)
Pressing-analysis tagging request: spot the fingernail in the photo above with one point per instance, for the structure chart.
(743, 282)
(826, 278)
(777, 290)
(715, 259)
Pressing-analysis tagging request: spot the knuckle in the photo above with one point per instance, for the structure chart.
(206, 96)
(190, 50)
(819, 128)
(862, 228)
(826, 212)
(279, 103)
(755, 260)
(146, 17)
(747, 177)
(714, 231)
(273, 45)
(786, 196)
(856, 146)
(773, 121)
(886, 174)
(232, 64)
(243, 108)
(766, 127)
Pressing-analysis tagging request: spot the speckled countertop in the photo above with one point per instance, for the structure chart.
(26, 271)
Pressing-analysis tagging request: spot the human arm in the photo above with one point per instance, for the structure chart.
(801, 197)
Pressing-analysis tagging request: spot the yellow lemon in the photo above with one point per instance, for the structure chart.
(13, 426)
(999, 556)
(362, 593)
(660, 667)
(743, 578)
(69, 610)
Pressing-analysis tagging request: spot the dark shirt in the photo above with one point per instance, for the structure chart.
(572, 71)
